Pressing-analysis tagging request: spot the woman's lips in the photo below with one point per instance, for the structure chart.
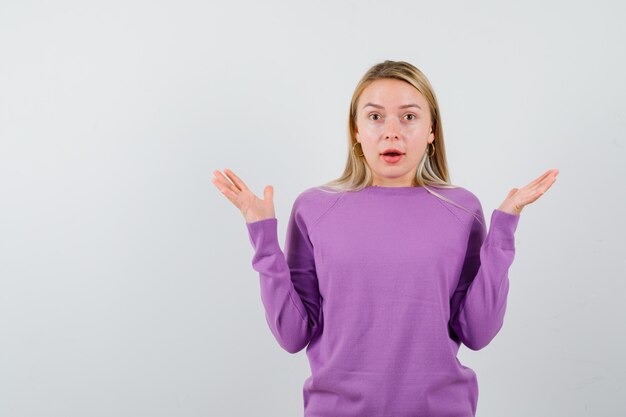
(392, 159)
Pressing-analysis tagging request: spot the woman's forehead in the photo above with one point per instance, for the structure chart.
(391, 94)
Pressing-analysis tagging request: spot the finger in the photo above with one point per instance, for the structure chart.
(512, 192)
(539, 179)
(224, 184)
(550, 174)
(224, 181)
(228, 193)
(539, 184)
(547, 183)
(268, 193)
(226, 188)
(231, 196)
(541, 188)
(549, 180)
(235, 179)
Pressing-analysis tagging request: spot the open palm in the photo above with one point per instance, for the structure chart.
(252, 207)
(520, 197)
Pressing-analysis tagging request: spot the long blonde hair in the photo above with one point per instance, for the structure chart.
(432, 170)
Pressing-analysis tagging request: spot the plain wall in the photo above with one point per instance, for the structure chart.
(126, 285)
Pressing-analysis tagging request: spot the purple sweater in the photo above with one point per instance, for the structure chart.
(381, 286)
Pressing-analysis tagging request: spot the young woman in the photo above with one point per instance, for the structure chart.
(389, 268)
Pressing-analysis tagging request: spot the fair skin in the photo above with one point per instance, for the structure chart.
(384, 121)
(387, 124)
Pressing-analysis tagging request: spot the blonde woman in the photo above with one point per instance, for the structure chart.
(389, 268)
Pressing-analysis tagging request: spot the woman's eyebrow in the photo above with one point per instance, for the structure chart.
(401, 107)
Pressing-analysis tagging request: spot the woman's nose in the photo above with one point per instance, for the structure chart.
(392, 129)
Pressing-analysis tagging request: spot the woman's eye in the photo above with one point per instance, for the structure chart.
(374, 114)
(412, 115)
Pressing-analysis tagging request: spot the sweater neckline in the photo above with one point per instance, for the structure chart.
(377, 189)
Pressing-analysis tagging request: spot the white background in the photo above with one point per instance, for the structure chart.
(126, 286)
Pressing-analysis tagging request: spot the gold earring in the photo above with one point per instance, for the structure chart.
(358, 143)
(433, 153)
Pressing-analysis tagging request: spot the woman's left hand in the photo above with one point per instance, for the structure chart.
(519, 197)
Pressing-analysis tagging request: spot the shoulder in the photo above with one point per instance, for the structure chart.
(313, 202)
(464, 204)
(461, 195)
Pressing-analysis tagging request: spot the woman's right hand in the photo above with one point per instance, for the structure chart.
(252, 207)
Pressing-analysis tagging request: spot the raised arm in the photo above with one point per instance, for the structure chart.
(479, 302)
(289, 288)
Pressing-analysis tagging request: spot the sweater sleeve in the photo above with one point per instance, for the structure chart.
(479, 302)
(289, 287)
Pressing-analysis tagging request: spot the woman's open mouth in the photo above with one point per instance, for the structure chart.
(392, 157)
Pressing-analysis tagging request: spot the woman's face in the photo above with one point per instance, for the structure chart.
(388, 116)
